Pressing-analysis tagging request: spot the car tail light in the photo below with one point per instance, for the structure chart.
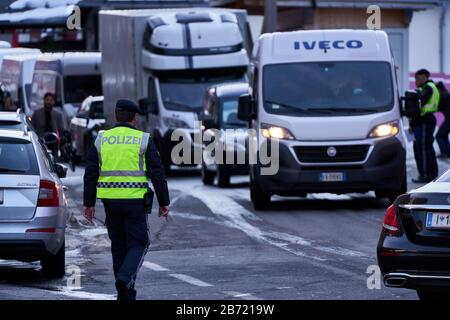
(390, 223)
(48, 194)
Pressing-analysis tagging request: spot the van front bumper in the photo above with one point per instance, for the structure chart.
(383, 170)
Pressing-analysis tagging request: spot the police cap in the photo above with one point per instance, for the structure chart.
(127, 105)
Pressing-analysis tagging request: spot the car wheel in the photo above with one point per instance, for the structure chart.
(260, 199)
(207, 176)
(433, 294)
(223, 177)
(54, 266)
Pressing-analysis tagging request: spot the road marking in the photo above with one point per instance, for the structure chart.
(154, 266)
(243, 296)
(190, 280)
(64, 291)
(235, 215)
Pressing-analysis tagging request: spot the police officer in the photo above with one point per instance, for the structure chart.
(423, 127)
(117, 172)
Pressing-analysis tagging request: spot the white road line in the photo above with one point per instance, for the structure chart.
(235, 216)
(154, 266)
(190, 280)
(83, 294)
(243, 296)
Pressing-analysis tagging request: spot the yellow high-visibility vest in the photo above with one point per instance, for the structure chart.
(121, 153)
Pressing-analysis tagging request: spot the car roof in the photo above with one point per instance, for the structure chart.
(10, 116)
(231, 89)
(15, 134)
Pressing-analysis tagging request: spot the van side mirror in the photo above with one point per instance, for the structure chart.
(148, 106)
(411, 104)
(245, 108)
(61, 170)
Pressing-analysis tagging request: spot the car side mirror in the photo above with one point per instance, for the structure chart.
(147, 106)
(245, 108)
(61, 170)
(411, 104)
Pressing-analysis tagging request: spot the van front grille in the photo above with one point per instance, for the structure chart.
(330, 154)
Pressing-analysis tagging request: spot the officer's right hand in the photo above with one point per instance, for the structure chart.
(164, 212)
(89, 213)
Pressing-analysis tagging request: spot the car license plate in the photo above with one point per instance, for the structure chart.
(332, 176)
(438, 220)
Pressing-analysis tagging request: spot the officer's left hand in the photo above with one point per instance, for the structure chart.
(89, 213)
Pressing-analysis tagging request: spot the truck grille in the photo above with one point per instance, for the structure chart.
(321, 154)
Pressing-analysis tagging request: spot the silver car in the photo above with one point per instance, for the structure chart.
(33, 207)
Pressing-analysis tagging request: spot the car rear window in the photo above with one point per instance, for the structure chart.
(10, 125)
(17, 157)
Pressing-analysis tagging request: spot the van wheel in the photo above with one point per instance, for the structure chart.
(53, 266)
(260, 199)
(430, 294)
(392, 195)
(207, 176)
(223, 177)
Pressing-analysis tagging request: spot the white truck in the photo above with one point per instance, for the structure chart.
(16, 76)
(70, 76)
(330, 98)
(166, 59)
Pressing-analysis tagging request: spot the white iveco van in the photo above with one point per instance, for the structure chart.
(330, 98)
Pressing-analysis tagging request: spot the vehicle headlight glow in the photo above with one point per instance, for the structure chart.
(270, 131)
(175, 123)
(385, 130)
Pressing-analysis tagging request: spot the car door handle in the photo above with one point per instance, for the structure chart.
(65, 188)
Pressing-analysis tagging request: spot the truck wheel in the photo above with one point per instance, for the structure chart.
(223, 177)
(260, 199)
(207, 176)
(53, 266)
(432, 294)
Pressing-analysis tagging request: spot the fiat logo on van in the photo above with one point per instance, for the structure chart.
(331, 152)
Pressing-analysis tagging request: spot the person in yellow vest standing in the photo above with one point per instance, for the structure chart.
(117, 171)
(423, 127)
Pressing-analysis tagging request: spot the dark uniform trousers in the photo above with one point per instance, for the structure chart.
(423, 129)
(128, 231)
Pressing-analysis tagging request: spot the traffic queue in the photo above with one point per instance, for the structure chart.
(267, 106)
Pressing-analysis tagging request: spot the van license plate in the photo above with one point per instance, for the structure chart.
(332, 176)
(438, 220)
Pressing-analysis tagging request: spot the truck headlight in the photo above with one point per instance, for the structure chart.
(270, 131)
(175, 123)
(385, 130)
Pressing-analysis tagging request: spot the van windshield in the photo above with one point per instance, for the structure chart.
(79, 87)
(324, 88)
(184, 90)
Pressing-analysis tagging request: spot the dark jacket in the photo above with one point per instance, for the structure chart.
(155, 171)
(444, 104)
(38, 121)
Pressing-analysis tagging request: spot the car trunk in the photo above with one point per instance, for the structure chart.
(414, 214)
(18, 197)
(19, 180)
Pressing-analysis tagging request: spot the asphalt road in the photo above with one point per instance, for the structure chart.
(215, 246)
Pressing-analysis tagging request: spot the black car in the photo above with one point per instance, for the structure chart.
(414, 247)
(220, 113)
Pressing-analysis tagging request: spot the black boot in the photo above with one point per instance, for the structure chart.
(122, 290)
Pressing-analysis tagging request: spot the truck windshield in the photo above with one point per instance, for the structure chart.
(324, 88)
(184, 90)
(77, 88)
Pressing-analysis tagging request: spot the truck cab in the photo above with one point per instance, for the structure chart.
(330, 99)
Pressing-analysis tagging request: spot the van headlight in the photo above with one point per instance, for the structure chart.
(270, 131)
(175, 123)
(385, 130)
